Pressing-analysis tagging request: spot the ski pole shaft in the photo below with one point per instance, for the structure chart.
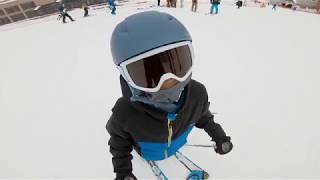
(201, 145)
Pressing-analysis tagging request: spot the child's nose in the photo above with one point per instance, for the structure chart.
(169, 84)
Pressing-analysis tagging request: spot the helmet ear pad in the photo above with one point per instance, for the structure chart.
(143, 32)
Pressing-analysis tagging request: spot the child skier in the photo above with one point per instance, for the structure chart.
(160, 103)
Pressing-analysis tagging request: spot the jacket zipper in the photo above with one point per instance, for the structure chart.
(171, 118)
(170, 125)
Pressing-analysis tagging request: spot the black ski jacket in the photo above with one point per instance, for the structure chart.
(155, 134)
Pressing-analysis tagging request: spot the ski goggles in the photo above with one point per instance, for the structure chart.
(148, 71)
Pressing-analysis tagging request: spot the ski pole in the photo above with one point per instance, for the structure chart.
(201, 145)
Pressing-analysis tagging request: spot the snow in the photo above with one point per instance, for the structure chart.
(58, 85)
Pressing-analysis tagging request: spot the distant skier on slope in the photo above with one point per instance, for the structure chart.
(214, 6)
(194, 5)
(239, 4)
(245, 3)
(85, 9)
(171, 3)
(64, 13)
(112, 6)
(274, 6)
(161, 103)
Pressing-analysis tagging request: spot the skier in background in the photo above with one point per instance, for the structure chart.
(171, 3)
(159, 2)
(160, 103)
(64, 13)
(274, 6)
(214, 6)
(245, 3)
(168, 3)
(174, 3)
(239, 4)
(112, 6)
(194, 5)
(86, 9)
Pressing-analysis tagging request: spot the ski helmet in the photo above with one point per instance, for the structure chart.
(145, 31)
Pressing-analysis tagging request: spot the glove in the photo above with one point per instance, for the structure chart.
(125, 177)
(223, 145)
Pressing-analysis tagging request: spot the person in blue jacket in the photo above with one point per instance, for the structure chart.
(214, 6)
(112, 6)
(160, 103)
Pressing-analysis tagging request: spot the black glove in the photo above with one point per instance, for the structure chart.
(125, 177)
(223, 145)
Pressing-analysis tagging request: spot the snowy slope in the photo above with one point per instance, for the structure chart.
(58, 85)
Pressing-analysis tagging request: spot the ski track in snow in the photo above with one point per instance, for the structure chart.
(261, 69)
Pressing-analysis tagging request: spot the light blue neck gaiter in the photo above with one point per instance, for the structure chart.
(166, 99)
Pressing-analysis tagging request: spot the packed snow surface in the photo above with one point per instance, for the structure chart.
(260, 67)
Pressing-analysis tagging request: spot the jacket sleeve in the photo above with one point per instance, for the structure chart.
(207, 123)
(121, 145)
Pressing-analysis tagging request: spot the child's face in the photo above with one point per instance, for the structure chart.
(169, 84)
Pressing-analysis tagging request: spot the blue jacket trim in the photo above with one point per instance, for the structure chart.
(156, 151)
(171, 116)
